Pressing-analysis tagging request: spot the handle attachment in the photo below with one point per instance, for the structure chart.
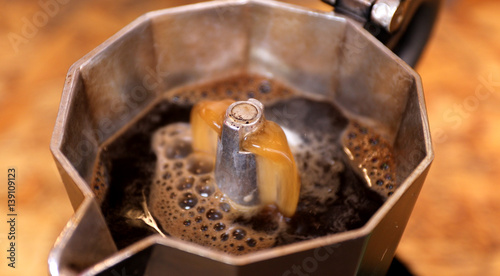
(404, 26)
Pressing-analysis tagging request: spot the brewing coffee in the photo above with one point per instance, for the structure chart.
(160, 184)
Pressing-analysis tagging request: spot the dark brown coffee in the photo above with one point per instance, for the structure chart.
(157, 183)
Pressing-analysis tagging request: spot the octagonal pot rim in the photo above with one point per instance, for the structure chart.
(57, 138)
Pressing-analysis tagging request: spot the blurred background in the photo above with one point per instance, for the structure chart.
(454, 229)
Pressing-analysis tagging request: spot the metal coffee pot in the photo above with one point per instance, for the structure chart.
(349, 56)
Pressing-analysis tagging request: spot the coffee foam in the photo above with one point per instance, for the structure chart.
(179, 179)
(185, 199)
(240, 87)
(187, 203)
(371, 156)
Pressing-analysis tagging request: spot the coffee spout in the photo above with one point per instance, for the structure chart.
(236, 169)
(254, 164)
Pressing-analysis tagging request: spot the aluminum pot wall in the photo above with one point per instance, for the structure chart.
(319, 53)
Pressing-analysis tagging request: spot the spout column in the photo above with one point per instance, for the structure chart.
(236, 170)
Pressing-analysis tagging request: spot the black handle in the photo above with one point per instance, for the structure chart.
(409, 40)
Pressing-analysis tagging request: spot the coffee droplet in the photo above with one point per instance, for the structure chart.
(219, 226)
(200, 210)
(213, 214)
(251, 242)
(185, 183)
(265, 87)
(205, 187)
(239, 234)
(188, 201)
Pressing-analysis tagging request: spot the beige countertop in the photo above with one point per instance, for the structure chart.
(455, 224)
